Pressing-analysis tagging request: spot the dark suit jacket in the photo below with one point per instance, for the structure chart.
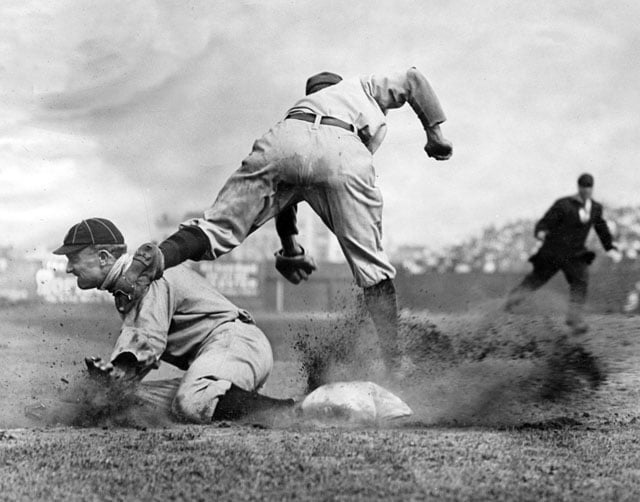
(566, 234)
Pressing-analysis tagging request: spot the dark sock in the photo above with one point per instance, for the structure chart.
(237, 403)
(383, 308)
(188, 243)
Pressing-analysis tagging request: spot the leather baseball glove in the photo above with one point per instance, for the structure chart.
(146, 267)
(295, 268)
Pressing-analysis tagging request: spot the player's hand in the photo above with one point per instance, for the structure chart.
(98, 368)
(439, 151)
(146, 267)
(101, 369)
(615, 255)
(295, 268)
(437, 146)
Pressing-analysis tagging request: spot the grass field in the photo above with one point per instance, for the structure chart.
(501, 413)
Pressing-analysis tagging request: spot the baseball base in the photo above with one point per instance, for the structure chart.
(354, 402)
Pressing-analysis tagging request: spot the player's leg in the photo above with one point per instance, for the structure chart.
(223, 380)
(350, 204)
(543, 271)
(381, 301)
(255, 193)
(577, 275)
(244, 204)
(158, 393)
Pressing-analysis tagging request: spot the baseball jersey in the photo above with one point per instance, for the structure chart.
(174, 318)
(364, 102)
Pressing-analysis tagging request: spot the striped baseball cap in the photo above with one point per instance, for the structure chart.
(89, 232)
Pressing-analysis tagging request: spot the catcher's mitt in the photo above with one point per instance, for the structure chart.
(146, 267)
(295, 268)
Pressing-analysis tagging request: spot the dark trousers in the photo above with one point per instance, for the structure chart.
(575, 270)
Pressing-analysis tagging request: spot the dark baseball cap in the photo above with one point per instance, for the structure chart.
(89, 232)
(320, 81)
(585, 180)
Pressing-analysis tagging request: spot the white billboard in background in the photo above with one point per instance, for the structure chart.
(232, 279)
(54, 285)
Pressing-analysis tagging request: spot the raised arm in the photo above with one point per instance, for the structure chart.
(413, 87)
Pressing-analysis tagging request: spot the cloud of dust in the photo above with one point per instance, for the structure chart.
(482, 367)
(88, 402)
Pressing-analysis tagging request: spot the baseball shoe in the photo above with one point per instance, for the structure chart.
(580, 328)
(511, 304)
(577, 325)
(584, 362)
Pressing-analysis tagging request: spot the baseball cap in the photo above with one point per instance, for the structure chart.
(89, 232)
(585, 180)
(320, 81)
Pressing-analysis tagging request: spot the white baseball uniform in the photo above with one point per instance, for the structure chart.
(185, 321)
(329, 167)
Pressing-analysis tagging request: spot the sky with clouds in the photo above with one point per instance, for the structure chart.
(130, 109)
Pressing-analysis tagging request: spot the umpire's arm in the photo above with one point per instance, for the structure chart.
(602, 229)
(550, 220)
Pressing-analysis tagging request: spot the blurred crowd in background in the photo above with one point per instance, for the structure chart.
(507, 248)
(494, 252)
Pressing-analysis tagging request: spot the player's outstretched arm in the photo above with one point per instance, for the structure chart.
(394, 90)
(425, 103)
(292, 261)
(287, 229)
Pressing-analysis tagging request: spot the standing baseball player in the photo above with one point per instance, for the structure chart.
(563, 232)
(182, 320)
(321, 153)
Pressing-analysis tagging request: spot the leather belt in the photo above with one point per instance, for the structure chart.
(325, 120)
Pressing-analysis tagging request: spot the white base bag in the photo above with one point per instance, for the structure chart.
(355, 402)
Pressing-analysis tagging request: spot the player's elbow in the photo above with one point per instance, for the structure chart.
(414, 76)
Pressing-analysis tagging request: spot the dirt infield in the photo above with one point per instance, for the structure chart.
(506, 407)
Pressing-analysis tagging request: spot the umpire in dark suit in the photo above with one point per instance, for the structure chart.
(563, 232)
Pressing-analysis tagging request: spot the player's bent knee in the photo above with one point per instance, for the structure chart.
(191, 410)
(196, 404)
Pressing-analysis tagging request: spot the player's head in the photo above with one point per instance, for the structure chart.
(92, 247)
(585, 186)
(320, 81)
